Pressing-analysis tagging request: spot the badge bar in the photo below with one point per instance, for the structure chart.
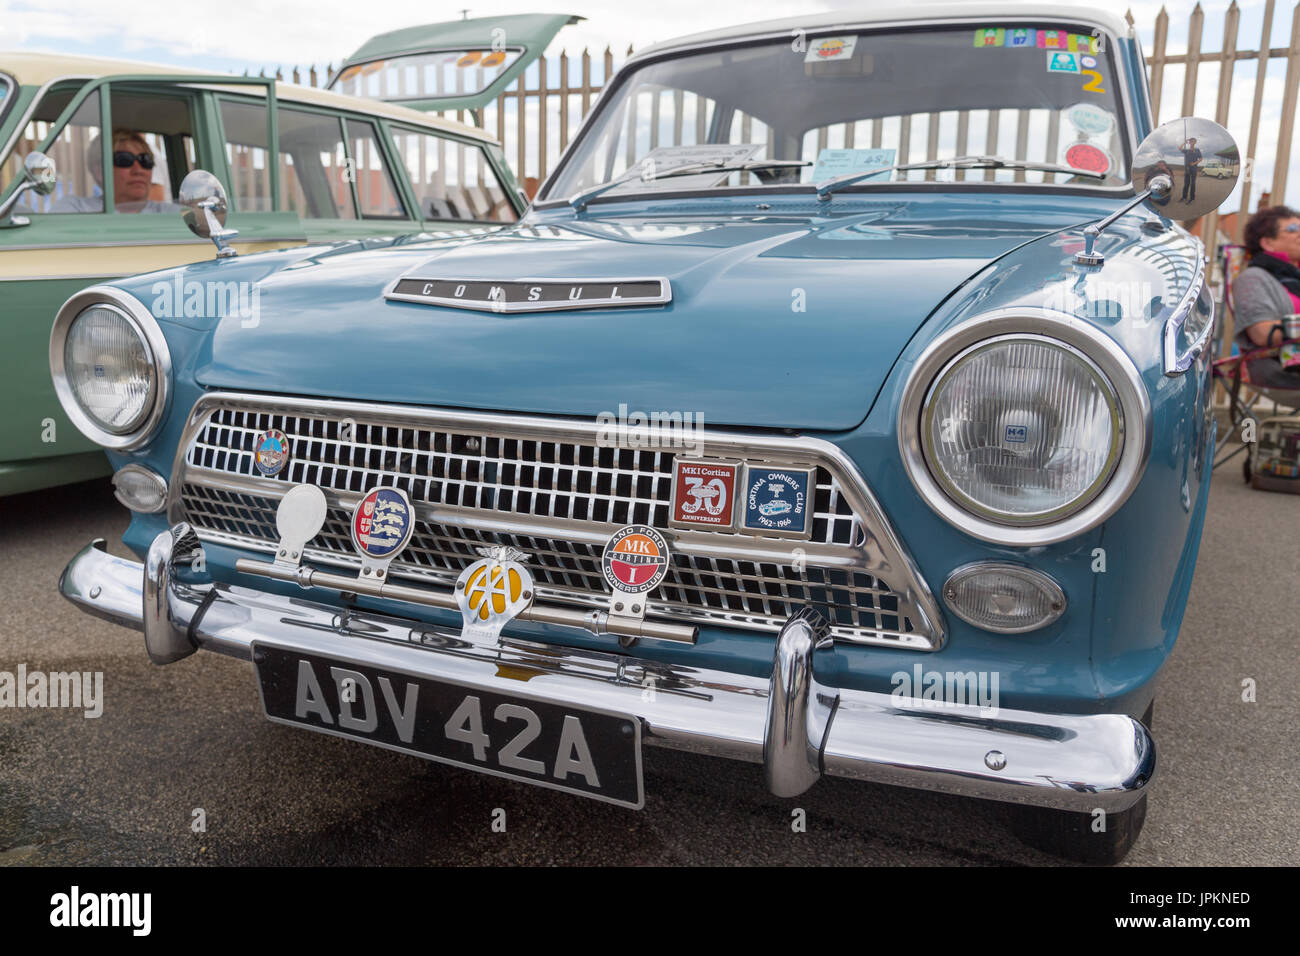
(531, 295)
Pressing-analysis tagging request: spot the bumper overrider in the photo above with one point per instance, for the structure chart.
(793, 723)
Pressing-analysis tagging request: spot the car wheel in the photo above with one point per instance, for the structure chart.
(1072, 836)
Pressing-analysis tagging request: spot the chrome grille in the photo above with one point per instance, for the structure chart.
(537, 486)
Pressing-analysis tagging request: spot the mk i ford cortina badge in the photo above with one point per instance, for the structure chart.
(634, 563)
(531, 295)
(271, 452)
(493, 591)
(382, 523)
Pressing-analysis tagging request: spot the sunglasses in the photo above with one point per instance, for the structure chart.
(125, 159)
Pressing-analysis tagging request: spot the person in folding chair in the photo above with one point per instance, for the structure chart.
(1268, 291)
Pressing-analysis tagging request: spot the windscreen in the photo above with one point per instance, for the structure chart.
(856, 101)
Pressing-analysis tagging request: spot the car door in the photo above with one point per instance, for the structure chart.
(82, 234)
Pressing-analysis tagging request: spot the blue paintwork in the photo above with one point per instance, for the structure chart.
(882, 275)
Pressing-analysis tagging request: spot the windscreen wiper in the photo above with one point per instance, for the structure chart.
(825, 189)
(579, 200)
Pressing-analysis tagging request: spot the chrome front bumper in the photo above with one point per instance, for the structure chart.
(792, 723)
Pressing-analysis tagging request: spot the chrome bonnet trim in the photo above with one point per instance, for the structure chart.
(878, 550)
(798, 726)
(1175, 362)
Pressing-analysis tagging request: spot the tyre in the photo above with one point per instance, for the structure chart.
(1073, 836)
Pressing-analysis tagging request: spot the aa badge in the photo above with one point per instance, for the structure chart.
(492, 592)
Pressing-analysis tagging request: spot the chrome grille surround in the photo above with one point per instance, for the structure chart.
(550, 488)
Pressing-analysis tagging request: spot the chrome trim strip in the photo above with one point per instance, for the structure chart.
(544, 199)
(1066, 761)
(141, 242)
(879, 552)
(1114, 363)
(662, 297)
(156, 351)
(1174, 362)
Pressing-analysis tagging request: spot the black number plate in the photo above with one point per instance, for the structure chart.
(587, 752)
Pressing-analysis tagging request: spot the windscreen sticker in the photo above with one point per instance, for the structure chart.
(662, 159)
(830, 48)
(989, 36)
(1090, 119)
(1062, 63)
(841, 162)
(1022, 37)
(1088, 158)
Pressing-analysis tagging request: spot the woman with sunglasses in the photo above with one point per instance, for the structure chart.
(1268, 290)
(133, 164)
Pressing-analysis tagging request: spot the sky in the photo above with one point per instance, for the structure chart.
(240, 35)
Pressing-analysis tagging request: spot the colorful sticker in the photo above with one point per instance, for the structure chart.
(1062, 63)
(1022, 37)
(1053, 40)
(704, 493)
(830, 48)
(989, 36)
(1090, 119)
(635, 559)
(1088, 158)
(382, 523)
(1088, 61)
(271, 452)
(777, 501)
(842, 162)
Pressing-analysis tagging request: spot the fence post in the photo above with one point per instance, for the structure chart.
(564, 100)
(1261, 71)
(1158, 63)
(1210, 235)
(1288, 110)
(1195, 26)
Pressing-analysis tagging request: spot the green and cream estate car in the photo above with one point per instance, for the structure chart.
(298, 166)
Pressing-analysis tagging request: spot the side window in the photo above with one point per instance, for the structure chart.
(314, 176)
(452, 180)
(75, 151)
(375, 192)
(246, 154)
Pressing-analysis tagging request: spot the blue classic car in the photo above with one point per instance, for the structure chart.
(840, 405)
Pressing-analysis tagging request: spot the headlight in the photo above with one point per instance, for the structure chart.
(110, 367)
(1022, 429)
(1025, 427)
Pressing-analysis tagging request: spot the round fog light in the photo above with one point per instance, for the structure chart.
(140, 489)
(1006, 598)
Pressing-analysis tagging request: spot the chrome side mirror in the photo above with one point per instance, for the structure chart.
(1199, 159)
(205, 205)
(1183, 169)
(39, 176)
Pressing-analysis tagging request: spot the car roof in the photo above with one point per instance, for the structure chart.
(37, 69)
(900, 13)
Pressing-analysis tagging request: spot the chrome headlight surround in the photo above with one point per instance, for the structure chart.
(1059, 328)
(156, 352)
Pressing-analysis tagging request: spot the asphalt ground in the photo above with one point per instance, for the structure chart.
(124, 788)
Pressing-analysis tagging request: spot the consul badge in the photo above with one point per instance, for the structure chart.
(493, 592)
(531, 295)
